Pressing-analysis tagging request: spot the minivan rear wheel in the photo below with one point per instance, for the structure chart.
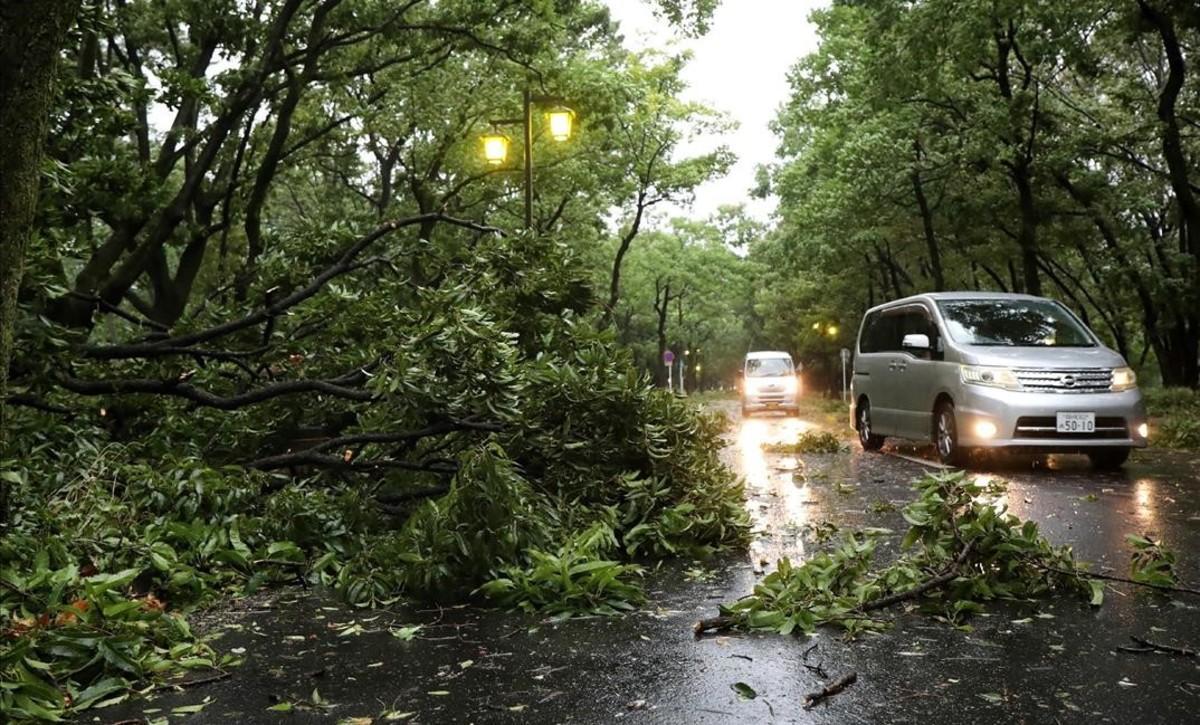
(1109, 459)
(870, 441)
(945, 436)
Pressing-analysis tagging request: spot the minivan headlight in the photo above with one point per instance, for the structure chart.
(995, 377)
(1123, 379)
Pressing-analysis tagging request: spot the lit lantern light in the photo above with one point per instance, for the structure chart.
(816, 325)
(833, 330)
(495, 148)
(561, 120)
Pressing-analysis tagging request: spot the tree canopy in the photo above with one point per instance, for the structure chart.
(1038, 147)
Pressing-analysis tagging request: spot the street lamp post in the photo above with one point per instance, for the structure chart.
(495, 145)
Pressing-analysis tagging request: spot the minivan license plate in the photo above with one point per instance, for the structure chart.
(1076, 423)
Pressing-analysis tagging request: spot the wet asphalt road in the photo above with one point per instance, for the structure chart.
(1046, 661)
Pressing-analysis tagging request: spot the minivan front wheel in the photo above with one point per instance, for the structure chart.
(1109, 459)
(869, 439)
(945, 436)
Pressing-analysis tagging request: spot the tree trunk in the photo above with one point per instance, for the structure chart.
(1172, 144)
(614, 285)
(31, 35)
(1027, 237)
(662, 298)
(931, 243)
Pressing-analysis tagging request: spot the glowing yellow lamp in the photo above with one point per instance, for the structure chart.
(833, 330)
(561, 120)
(495, 148)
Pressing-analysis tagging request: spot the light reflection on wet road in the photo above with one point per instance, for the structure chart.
(778, 489)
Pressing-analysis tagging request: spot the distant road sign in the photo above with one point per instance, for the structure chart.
(668, 357)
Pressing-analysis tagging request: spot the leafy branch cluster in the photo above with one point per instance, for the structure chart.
(962, 549)
(810, 441)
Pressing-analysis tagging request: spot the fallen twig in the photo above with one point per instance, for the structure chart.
(833, 688)
(713, 624)
(223, 674)
(1148, 646)
(816, 669)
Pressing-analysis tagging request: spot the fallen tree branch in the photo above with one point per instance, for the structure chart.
(941, 580)
(309, 455)
(177, 388)
(311, 458)
(833, 688)
(1123, 580)
(344, 264)
(29, 401)
(714, 624)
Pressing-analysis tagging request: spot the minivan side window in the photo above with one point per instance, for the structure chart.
(872, 334)
(884, 331)
(897, 322)
(915, 321)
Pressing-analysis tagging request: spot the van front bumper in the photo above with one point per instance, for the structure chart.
(768, 401)
(1027, 420)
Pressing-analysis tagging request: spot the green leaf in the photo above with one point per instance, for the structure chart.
(744, 691)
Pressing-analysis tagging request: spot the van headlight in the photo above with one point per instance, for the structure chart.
(995, 377)
(1123, 379)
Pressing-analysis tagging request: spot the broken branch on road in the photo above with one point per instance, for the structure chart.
(1145, 645)
(840, 684)
(962, 549)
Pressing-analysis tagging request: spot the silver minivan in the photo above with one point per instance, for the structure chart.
(990, 370)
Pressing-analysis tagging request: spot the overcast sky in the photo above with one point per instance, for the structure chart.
(740, 67)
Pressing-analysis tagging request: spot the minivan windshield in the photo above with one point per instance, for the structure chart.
(1013, 323)
(768, 367)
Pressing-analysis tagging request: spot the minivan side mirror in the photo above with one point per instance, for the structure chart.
(915, 341)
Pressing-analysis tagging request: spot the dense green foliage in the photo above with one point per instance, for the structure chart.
(1176, 417)
(960, 535)
(689, 289)
(1021, 145)
(278, 326)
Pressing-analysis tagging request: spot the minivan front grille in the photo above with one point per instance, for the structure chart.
(1108, 427)
(1076, 380)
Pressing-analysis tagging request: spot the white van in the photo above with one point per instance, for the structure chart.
(769, 382)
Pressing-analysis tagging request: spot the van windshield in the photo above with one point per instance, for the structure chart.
(768, 367)
(1013, 323)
